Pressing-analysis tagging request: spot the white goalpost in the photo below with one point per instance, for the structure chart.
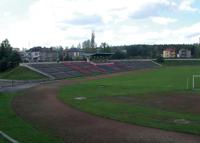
(196, 82)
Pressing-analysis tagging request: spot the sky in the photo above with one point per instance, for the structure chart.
(28, 23)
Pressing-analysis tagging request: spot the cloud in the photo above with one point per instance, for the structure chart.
(191, 32)
(187, 5)
(153, 8)
(6, 13)
(67, 22)
(85, 20)
(195, 34)
(163, 20)
(185, 35)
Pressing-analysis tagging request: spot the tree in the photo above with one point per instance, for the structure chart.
(196, 51)
(15, 59)
(67, 58)
(3, 64)
(79, 46)
(160, 59)
(86, 45)
(93, 45)
(5, 49)
(119, 55)
(8, 57)
(60, 53)
(104, 47)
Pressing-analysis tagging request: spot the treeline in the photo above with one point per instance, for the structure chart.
(140, 50)
(151, 51)
(9, 58)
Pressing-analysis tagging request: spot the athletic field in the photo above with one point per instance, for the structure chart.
(160, 98)
(143, 106)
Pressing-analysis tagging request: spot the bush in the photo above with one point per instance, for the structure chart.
(118, 55)
(160, 59)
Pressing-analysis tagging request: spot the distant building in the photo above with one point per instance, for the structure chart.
(169, 53)
(16, 49)
(124, 51)
(39, 54)
(184, 53)
(74, 53)
(25, 56)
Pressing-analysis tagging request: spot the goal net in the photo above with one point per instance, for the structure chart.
(196, 82)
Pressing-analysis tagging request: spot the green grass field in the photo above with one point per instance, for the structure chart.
(17, 128)
(181, 62)
(21, 73)
(2, 140)
(155, 98)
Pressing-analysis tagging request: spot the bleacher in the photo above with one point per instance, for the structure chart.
(76, 69)
(84, 68)
(110, 68)
(57, 70)
(134, 65)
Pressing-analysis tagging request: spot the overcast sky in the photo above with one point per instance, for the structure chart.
(28, 23)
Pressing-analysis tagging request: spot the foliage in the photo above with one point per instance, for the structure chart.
(17, 128)
(8, 57)
(78, 58)
(196, 52)
(181, 62)
(105, 48)
(60, 52)
(93, 44)
(154, 51)
(67, 58)
(118, 55)
(160, 60)
(148, 84)
(141, 51)
(86, 45)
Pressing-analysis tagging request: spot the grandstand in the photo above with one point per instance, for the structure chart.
(82, 68)
(56, 70)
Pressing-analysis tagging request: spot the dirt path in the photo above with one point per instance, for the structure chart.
(39, 105)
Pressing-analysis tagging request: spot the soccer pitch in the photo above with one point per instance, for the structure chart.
(160, 98)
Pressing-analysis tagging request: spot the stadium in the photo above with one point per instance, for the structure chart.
(100, 71)
(113, 101)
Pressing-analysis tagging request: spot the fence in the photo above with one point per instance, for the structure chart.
(12, 83)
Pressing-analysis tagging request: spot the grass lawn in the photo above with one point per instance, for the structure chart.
(116, 97)
(21, 73)
(18, 129)
(2, 140)
(181, 62)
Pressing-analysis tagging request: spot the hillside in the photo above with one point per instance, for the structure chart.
(21, 73)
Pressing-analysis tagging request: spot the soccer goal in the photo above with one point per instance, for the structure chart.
(196, 82)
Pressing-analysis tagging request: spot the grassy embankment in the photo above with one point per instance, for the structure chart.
(181, 62)
(21, 73)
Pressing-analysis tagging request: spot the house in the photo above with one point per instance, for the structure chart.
(184, 53)
(74, 53)
(169, 53)
(39, 54)
(25, 56)
(16, 49)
